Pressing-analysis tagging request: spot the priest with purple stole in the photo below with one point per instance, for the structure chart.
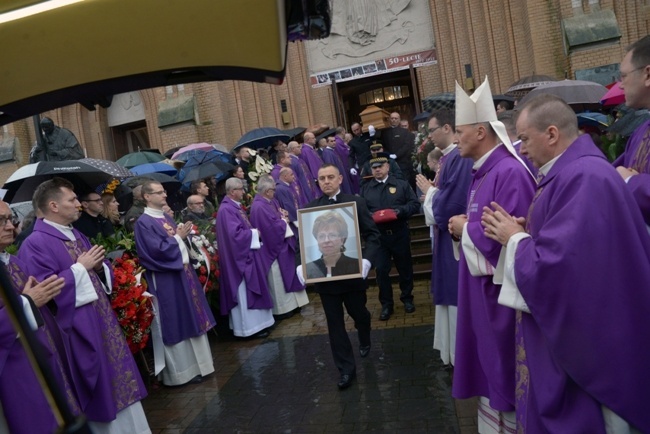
(103, 373)
(284, 161)
(330, 156)
(309, 154)
(179, 332)
(485, 354)
(278, 251)
(288, 198)
(634, 164)
(304, 177)
(25, 406)
(576, 270)
(452, 180)
(244, 291)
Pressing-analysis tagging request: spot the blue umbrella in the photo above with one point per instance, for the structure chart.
(141, 169)
(219, 155)
(215, 157)
(262, 138)
(592, 119)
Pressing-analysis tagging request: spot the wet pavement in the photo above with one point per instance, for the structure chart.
(286, 383)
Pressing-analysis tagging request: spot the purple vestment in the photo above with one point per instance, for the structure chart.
(485, 336)
(288, 199)
(266, 217)
(312, 159)
(451, 199)
(104, 374)
(637, 157)
(184, 311)
(304, 178)
(275, 172)
(584, 275)
(343, 151)
(331, 157)
(23, 402)
(237, 261)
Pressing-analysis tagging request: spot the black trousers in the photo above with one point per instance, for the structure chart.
(396, 245)
(355, 304)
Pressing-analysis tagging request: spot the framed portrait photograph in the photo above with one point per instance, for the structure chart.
(330, 245)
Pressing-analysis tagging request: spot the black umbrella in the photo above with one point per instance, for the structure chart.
(294, 132)
(207, 170)
(326, 133)
(445, 100)
(261, 138)
(524, 85)
(21, 184)
(421, 117)
(629, 122)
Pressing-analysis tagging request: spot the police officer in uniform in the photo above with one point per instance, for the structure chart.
(392, 202)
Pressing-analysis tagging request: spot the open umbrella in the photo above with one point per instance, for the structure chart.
(207, 170)
(214, 158)
(261, 138)
(199, 146)
(107, 166)
(593, 119)
(521, 87)
(294, 132)
(614, 96)
(141, 169)
(629, 122)
(445, 100)
(573, 92)
(326, 133)
(135, 158)
(21, 184)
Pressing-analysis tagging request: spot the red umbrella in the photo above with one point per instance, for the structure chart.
(614, 95)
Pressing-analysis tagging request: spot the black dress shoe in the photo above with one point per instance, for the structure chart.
(345, 381)
(364, 350)
(196, 380)
(263, 334)
(385, 314)
(409, 307)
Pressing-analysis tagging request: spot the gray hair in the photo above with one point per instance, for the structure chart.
(265, 183)
(233, 183)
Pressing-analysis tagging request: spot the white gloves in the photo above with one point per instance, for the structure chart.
(353, 171)
(299, 274)
(365, 264)
(371, 130)
(393, 156)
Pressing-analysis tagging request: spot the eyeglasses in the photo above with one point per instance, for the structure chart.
(432, 130)
(92, 200)
(327, 236)
(12, 219)
(623, 75)
(158, 192)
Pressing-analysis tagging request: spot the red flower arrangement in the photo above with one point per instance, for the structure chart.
(205, 257)
(134, 310)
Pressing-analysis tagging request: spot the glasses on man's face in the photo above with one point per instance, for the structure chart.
(11, 219)
(163, 192)
(92, 200)
(432, 130)
(623, 75)
(198, 203)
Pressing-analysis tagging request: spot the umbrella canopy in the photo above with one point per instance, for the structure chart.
(445, 100)
(326, 133)
(614, 96)
(21, 184)
(141, 169)
(207, 170)
(108, 166)
(593, 119)
(294, 132)
(212, 157)
(136, 158)
(521, 87)
(261, 138)
(199, 146)
(571, 91)
(629, 122)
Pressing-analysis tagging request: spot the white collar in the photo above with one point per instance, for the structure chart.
(478, 163)
(157, 213)
(548, 166)
(449, 148)
(65, 230)
(4, 257)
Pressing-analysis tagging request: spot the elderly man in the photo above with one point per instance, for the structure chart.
(184, 316)
(136, 209)
(195, 210)
(452, 180)
(309, 155)
(278, 251)
(634, 164)
(103, 372)
(401, 142)
(350, 293)
(304, 177)
(383, 193)
(244, 291)
(91, 222)
(359, 147)
(579, 368)
(485, 355)
(18, 383)
(287, 196)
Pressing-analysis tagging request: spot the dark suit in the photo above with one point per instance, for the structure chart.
(359, 150)
(345, 265)
(350, 292)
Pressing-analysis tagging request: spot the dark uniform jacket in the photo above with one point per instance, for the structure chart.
(394, 194)
(360, 150)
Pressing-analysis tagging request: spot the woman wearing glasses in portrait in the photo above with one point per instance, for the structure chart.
(331, 232)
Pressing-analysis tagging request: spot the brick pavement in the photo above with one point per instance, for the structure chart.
(286, 383)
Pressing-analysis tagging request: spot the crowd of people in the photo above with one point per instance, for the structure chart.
(540, 259)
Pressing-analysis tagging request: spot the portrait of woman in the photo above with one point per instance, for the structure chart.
(330, 230)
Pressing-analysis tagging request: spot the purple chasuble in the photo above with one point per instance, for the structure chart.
(237, 261)
(288, 200)
(103, 372)
(266, 217)
(23, 402)
(312, 159)
(585, 275)
(485, 334)
(184, 310)
(637, 157)
(275, 172)
(330, 157)
(305, 178)
(455, 175)
(343, 151)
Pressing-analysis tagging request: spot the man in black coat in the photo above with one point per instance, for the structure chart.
(401, 143)
(385, 192)
(359, 147)
(91, 222)
(349, 292)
